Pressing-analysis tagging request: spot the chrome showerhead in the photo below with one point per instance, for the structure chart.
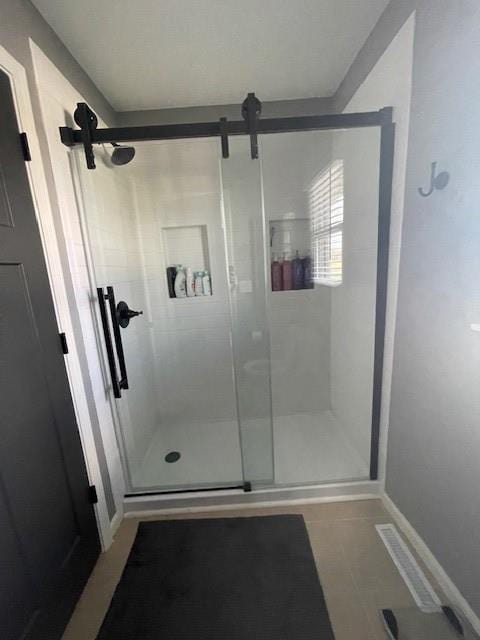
(122, 155)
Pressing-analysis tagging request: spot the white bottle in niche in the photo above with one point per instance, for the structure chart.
(189, 282)
(180, 279)
(199, 283)
(207, 287)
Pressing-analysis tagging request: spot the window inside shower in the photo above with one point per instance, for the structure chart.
(246, 385)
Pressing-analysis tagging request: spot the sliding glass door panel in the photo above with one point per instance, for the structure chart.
(321, 195)
(246, 267)
(177, 421)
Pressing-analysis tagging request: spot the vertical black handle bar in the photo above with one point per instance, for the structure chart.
(123, 383)
(108, 343)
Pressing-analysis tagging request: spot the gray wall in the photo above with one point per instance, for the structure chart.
(433, 471)
(19, 21)
(388, 25)
(279, 108)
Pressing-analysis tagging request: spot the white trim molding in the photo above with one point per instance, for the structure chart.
(446, 583)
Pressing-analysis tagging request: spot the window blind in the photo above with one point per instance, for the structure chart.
(326, 216)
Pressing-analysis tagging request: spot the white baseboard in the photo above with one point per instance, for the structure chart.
(450, 589)
(116, 521)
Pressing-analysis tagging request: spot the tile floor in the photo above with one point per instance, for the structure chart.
(355, 570)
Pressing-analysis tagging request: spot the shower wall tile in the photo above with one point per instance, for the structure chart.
(112, 228)
(300, 321)
(176, 192)
(353, 303)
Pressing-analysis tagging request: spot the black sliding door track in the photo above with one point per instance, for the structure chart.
(251, 125)
(71, 137)
(244, 487)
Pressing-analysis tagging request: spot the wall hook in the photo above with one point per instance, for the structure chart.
(437, 182)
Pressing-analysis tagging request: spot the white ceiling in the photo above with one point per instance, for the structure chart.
(149, 54)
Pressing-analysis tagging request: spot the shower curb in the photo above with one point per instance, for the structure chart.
(232, 499)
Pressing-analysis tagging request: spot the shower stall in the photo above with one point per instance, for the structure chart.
(273, 378)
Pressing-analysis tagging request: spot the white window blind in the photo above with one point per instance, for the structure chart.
(326, 215)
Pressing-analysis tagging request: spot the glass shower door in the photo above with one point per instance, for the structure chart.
(321, 202)
(301, 234)
(246, 263)
(268, 379)
(177, 421)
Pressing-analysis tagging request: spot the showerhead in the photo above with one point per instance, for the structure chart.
(122, 155)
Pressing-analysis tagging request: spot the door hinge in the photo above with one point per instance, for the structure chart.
(63, 342)
(25, 147)
(92, 494)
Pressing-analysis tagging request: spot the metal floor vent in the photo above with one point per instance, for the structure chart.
(416, 581)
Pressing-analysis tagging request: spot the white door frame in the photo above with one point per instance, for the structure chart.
(43, 210)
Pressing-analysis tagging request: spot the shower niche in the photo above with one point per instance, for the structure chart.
(290, 261)
(187, 251)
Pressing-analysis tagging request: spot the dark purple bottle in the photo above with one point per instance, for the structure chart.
(297, 272)
(307, 272)
(276, 275)
(286, 273)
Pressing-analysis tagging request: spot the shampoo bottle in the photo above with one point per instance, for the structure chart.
(297, 272)
(171, 274)
(189, 283)
(276, 274)
(307, 272)
(199, 283)
(207, 285)
(180, 288)
(286, 272)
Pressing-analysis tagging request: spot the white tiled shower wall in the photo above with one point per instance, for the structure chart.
(322, 340)
(178, 185)
(299, 320)
(115, 245)
(353, 303)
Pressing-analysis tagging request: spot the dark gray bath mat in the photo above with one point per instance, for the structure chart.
(219, 579)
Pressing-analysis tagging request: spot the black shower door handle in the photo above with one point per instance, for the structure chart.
(108, 343)
(123, 382)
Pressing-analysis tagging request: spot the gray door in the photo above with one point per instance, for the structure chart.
(48, 535)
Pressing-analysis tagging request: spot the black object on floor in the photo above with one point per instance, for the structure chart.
(415, 624)
(219, 579)
(173, 456)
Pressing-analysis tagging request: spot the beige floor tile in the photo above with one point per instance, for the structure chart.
(375, 600)
(92, 606)
(243, 512)
(332, 566)
(348, 616)
(96, 597)
(355, 570)
(344, 510)
(366, 554)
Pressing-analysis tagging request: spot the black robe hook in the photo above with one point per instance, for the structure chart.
(437, 182)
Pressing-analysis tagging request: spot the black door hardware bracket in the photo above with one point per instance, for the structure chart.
(224, 138)
(251, 110)
(88, 122)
